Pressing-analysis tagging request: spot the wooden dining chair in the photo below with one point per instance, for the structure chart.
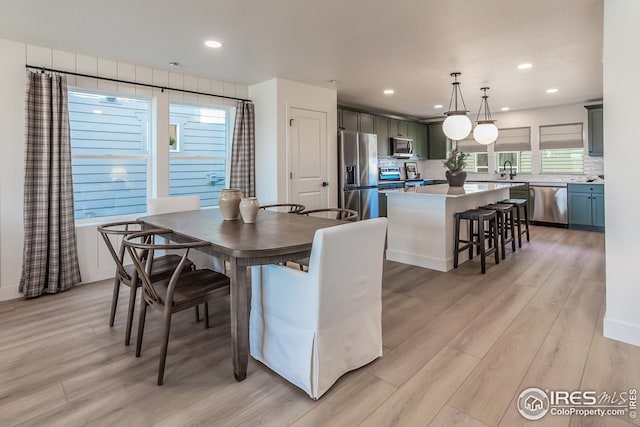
(183, 289)
(126, 274)
(293, 208)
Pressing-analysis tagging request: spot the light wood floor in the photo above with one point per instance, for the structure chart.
(458, 348)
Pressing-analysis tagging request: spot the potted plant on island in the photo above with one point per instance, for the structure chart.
(456, 176)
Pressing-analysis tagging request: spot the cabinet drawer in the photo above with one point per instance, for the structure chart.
(585, 188)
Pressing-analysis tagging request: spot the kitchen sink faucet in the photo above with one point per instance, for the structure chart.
(511, 172)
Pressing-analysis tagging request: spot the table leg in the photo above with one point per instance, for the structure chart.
(239, 319)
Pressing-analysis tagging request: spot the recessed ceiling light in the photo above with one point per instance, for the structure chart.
(173, 64)
(97, 111)
(332, 81)
(505, 109)
(437, 106)
(389, 91)
(524, 66)
(213, 43)
(552, 90)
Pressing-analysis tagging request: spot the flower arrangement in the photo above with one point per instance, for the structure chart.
(455, 161)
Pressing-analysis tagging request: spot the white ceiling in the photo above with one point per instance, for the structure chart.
(365, 45)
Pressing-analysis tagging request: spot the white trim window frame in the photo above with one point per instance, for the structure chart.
(97, 196)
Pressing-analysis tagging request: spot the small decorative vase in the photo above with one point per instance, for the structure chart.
(456, 179)
(229, 203)
(249, 207)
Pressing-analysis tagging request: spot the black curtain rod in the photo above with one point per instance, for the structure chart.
(162, 88)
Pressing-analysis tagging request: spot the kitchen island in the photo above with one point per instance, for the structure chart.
(421, 221)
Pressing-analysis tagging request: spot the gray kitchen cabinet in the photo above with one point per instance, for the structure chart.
(418, 132)
(382, 131)
(393, 128)
(437, 141)
(595, 129)
(403, 128)
(367, 123)
(585, 204)
(350, 120)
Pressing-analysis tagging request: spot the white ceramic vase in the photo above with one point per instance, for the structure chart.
(249, 207)
(229, 203)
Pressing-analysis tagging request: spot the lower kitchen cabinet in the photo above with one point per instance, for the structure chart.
(586, 206)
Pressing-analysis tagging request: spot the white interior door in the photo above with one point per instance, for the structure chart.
(308, 183)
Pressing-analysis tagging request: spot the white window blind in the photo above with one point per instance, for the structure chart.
(561, 136)
(514, 139)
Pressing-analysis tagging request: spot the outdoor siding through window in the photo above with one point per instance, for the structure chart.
(109, 145)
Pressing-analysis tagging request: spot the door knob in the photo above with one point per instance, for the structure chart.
(325, 184)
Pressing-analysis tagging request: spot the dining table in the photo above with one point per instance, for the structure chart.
(275, 237)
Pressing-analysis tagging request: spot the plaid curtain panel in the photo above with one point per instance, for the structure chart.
(243, 151)
(50, 258)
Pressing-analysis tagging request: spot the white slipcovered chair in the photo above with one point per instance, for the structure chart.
(313, 327)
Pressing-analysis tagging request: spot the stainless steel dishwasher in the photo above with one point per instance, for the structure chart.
(548, 203)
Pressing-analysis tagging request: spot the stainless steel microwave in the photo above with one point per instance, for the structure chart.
(402, 147)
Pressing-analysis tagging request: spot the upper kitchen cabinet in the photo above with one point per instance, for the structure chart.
(348, 120)
(367, 123)
(382, 130)
(418, 132)
(596, 134)
(403, 128)
(437, 145)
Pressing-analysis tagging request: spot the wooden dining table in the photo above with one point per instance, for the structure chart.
(275, 237)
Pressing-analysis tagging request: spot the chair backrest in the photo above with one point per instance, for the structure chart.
(338, 213)
(294, 208)
(163, 205)
(117, 231)
(346, 261)
(141, 247)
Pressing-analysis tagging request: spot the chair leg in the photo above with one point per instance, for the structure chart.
(132, 306)
(206, 315)
(519, 224)
(512, 226)
(483, 254)
(502, 227)
(114, 300)
(197, 313)
(526, 221)
(143, 315)
(165, 345)
(456, 243)
(494, 223)
(471, 234)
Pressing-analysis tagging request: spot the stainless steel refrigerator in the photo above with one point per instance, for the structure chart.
(358, 169)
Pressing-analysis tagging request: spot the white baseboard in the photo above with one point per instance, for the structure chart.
(621, 331)
(8, 292)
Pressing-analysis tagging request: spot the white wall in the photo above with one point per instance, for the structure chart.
(621, 94)
(276, 97)
(571, 113)
(95, 263)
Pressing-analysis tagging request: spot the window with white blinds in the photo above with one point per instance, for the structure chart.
(562, 148)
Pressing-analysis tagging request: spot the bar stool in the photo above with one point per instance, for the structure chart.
(506, 226)
(477, 217)
(521, 205)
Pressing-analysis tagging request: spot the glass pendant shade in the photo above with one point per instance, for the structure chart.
(457, 126)
(485, 133)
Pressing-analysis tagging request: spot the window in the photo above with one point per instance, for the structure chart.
(477, 159)
(562, 148)
(197, 164)
(477, 162)
(110, 153)
(513, 145)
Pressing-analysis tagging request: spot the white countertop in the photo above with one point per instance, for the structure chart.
(443, 190)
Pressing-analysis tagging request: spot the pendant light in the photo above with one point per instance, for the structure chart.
(457, 125)
(486, 132)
